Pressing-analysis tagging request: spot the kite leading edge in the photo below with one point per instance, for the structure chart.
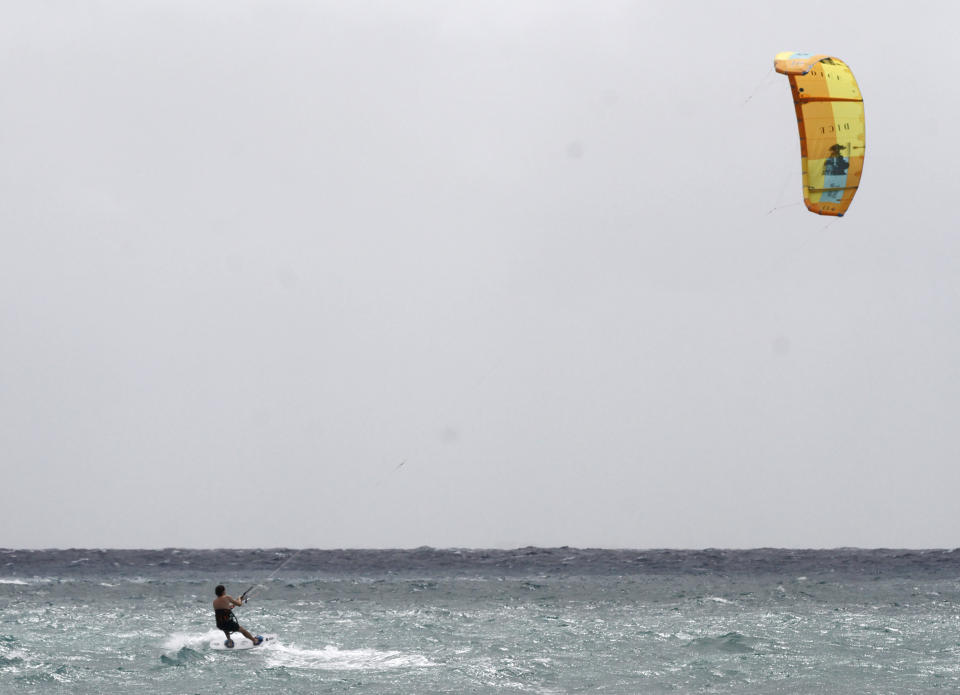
(832, 132)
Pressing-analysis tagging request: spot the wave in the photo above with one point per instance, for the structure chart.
(183, 657)
(730, 643)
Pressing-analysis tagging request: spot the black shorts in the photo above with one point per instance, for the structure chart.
(230, 624)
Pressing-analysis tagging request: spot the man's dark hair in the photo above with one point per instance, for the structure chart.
(220, 589)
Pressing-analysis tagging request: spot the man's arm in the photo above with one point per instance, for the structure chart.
(234, 601)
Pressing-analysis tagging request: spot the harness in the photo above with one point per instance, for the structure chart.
(224, 617)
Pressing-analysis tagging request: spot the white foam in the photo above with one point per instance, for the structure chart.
(329, 658)
(31, 581)
(333, 659)
(194, 640)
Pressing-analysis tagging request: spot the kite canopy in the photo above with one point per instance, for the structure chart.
(832, 133)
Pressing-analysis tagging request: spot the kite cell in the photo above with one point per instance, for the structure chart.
(832, 134)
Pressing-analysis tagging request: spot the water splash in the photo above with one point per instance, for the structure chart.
(331, 658)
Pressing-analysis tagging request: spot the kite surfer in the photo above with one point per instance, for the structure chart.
(223, 607)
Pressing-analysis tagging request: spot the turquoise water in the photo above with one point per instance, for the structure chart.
(888, 628)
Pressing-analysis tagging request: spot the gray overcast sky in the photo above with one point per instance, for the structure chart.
(254, 255)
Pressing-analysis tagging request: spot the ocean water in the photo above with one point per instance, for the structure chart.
(531, 620)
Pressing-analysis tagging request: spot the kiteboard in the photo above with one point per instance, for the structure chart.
(239, 642)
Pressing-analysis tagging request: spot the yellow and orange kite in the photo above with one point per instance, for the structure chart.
(832, 134)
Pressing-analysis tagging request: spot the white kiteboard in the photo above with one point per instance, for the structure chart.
(239, 642)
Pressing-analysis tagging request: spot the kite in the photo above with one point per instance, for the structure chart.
(832, 134)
